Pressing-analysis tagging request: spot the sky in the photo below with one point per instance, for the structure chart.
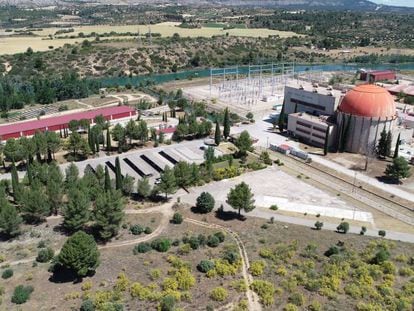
(396, 2)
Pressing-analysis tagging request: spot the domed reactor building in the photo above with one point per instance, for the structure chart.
(362, 115)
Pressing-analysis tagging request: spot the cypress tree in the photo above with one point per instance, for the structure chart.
(118, 174)
(15, 183)
(108, 140)
(282, 119)
(226, 123)
(389, 143)
(397, 146)
(382, 144)
(107, 179)
(165, 117)
(217, 134)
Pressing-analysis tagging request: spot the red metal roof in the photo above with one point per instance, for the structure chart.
(62, 120)
(368, 100)
(381, 72)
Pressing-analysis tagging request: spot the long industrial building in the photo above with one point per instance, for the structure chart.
(29, 128)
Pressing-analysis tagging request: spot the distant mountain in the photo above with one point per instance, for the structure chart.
(352, 5)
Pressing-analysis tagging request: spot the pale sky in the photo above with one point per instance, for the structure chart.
(396, 2)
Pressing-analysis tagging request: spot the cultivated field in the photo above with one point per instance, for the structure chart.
(20, 44)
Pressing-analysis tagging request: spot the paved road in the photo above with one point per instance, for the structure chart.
(262, 131)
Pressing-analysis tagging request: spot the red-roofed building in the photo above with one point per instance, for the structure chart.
(378, 75)
(29, 128)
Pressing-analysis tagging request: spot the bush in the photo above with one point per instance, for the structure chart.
(219, 294)
(167, 303)
(333, 250)
(205, 203)
(382, 233)
(205, 265)
(45, 255)
(21, 294)
(176, 242)
(257, 268)
(8, 273)
(343, 227)
(363, 230)
(213, 241)
(297, 299)
(161, 245)
(265, 290)
(177, 218)
(274, 207)
(87, 305)
(290, 307)
(231, 257)
(318, 225)
(136, 229)
(194, 242)
(381, 256)
(142, 248)
(148, 230)
(220, 235)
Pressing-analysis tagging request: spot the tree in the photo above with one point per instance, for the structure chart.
(109, 212)
(398, 169)
(128, 185)
(282, 118)
(54, 187)
(108, 140)
(343, 227)
(15, 184)
(241, 198)
(397, 146)
(118, 174)
(12, 150)
(72, 174)
(35, 203)
(79, 254)
(41, 145)
(226, 123)
(244, 143)
(182, 173)
(382, 144)
(389, 142)
(144, 188)
(76, 213)
(108, 185)
(168, 183)
(9, 218)
(53, 143)
(217, 134)
(205, 203)
(100, 174)
(318, 225)
(78, 145)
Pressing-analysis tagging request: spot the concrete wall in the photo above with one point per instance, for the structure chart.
(318, 103)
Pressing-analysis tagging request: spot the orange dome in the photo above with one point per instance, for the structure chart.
(368, 100)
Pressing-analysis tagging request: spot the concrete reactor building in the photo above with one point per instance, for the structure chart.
(361, 116)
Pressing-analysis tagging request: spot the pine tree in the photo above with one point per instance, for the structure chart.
(79, 254)
(109, 214)
(397, 146)
(241, 198)
(35, 203)
(389, 143)
(54, 188)
(382, 144)
(217, 134)
(108, 185)
(76, 212)
(144, 188)
(118, 174)
(168, 184)
(398, 169)
(226, 124)
(9, 218)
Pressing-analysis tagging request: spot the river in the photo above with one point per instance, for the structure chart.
(204, 73)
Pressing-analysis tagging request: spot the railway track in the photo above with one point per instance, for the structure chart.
(354, 189)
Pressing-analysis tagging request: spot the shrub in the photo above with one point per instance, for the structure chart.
(382, 233)
(45, 255)
(185, 249)
(8, 273)
(231, 257)
(41, 244)
(167, 303)
(213, 241)
(257, 268)
(205, 203)
(21, 294)
(205, 265)
(161, 245)
(239, 285)
(177, 218)
(297, 299)
(194, 242)
(381, 256)
(333, 250)
(142, 248)
(265, 290)
(274, 207)
(264, 226)
(315, 306)
(318, 225)
(148, 230)
(406, 271)
(220, 235)
(176, 242)
(155, 274)
(136, 229)
(290, 307)
(219, 294)
(87, 305)
(343, 227)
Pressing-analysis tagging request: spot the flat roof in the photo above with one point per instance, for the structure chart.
(61, 120)
(322, 120)
(380, 72)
